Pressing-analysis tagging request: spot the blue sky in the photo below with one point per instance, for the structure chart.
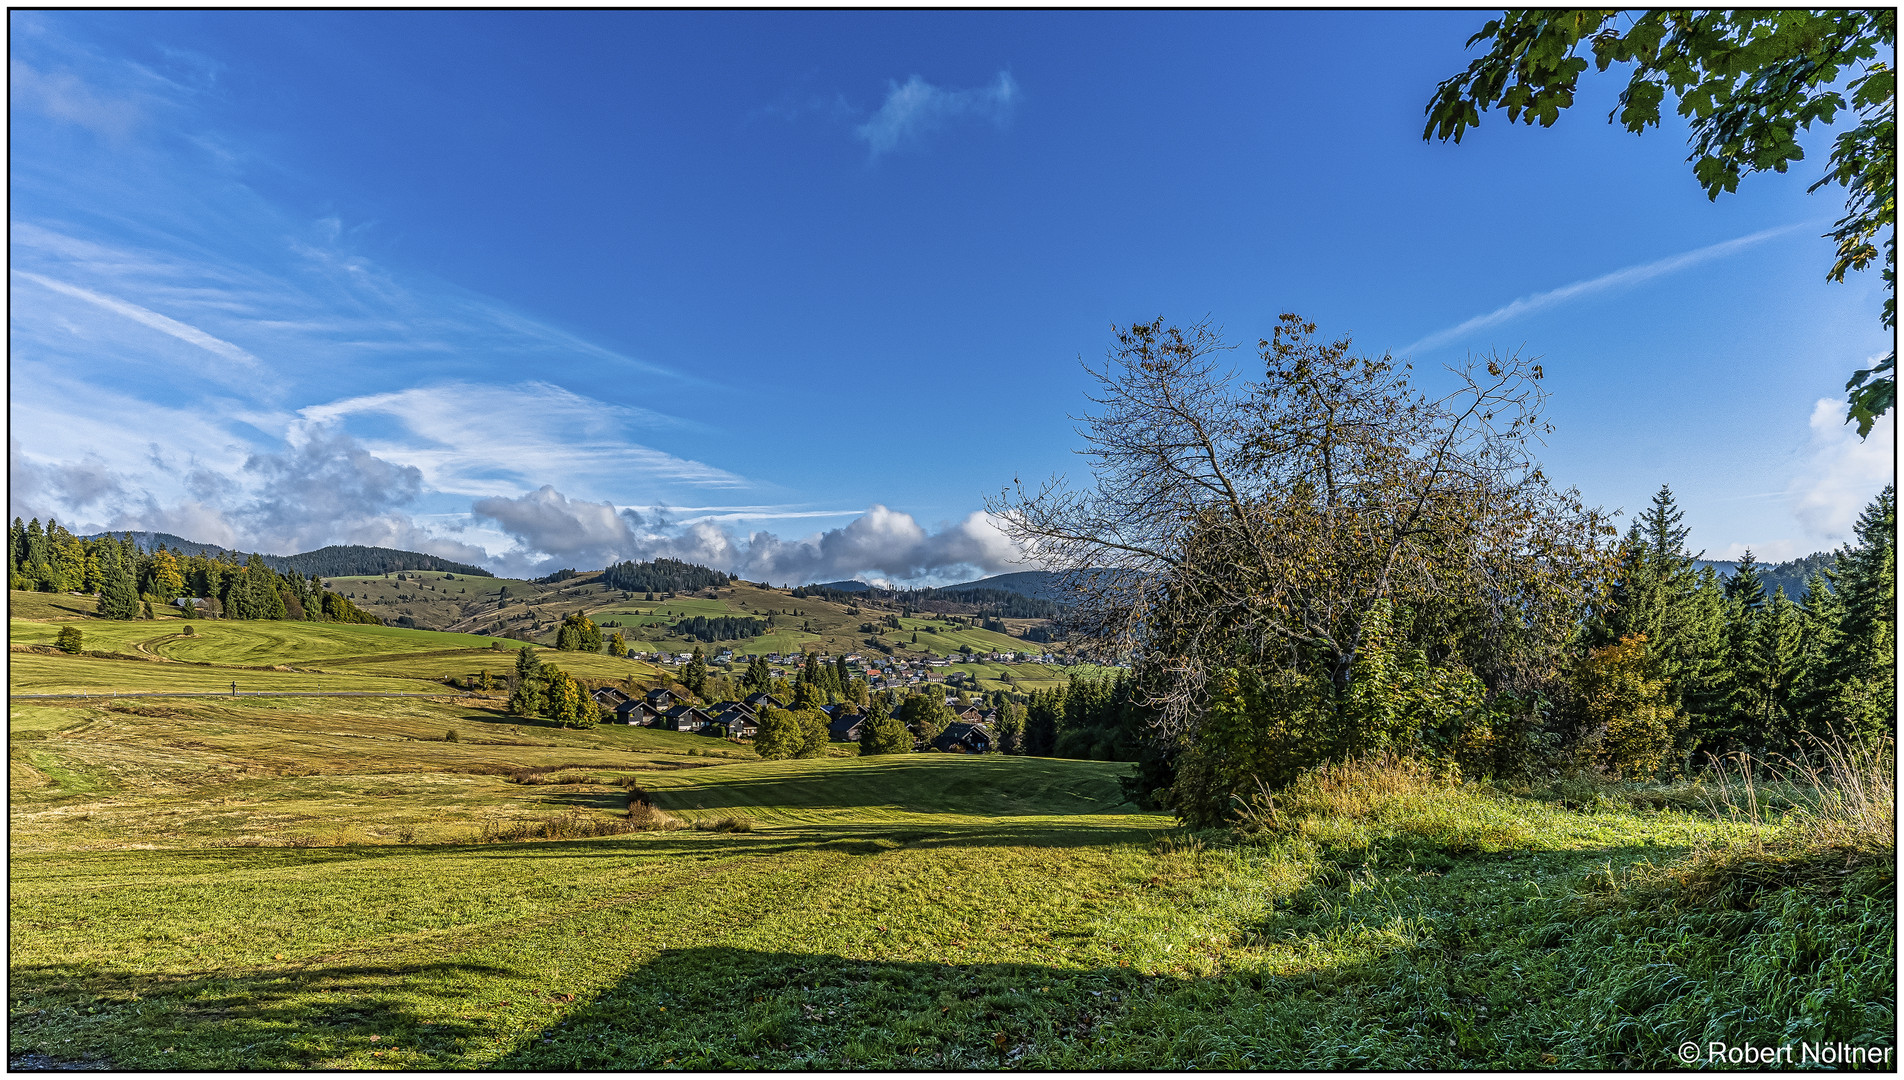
(792, 293)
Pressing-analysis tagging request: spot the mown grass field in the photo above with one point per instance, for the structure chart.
(328, 656)
(299, 883)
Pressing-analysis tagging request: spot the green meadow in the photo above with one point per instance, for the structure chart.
(204, 654)
(284, 882)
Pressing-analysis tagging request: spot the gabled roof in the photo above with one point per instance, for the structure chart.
(961, 733)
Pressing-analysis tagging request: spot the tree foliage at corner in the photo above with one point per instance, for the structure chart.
(1748, 80)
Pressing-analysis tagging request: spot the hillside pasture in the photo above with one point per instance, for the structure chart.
(39, 605)
(247, 642)
(39, 673)
(940, 639)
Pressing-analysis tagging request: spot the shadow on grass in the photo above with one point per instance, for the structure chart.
(1328, 983)
(293, 1016)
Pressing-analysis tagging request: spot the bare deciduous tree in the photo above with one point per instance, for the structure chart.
(1260, 522)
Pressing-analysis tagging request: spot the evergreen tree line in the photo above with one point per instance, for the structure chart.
(662, 575)
(1740, 666)
(336, 560)
(131, 583)
(1793, 576)
(719, 628)
(983, 602)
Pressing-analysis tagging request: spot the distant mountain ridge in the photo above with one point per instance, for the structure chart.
(1792, 576)
(1037, 584)
(335, 560)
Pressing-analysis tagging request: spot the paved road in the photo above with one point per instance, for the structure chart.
(227, 693)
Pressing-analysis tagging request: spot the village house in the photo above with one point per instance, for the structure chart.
(740, 724)
(687, 718)
(845, 727)
(963, 738)
(608, 697)
(760, 701)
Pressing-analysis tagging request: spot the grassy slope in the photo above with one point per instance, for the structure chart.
(470, 603)
(914, 912)
(330, 656)
(33, 673)
(36, 605)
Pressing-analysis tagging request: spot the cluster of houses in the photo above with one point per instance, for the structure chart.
(880, 674)
(970, 733)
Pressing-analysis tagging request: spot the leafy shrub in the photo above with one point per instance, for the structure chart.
(1631, 719)
(70, 640)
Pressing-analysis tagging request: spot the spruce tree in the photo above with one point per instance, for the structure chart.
(1779, 645)
(528, 665)
(695, 677)
(118, 593)
(758, 676)
(882, 732)
(1862, 694)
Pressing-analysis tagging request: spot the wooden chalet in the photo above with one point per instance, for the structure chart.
(963, 738)
(609, 697)
(684, 717)
(846, 727)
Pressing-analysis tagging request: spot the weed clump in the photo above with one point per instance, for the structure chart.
(450, 735)
(569, 825)
(733, 823)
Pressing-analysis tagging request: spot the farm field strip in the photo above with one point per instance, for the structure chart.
(40, 673)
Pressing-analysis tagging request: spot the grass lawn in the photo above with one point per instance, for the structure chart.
(333, 883)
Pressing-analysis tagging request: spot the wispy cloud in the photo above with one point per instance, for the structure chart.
(63, 96)
(916, 108)
(1618, 279)
(472, 439)
(191, 335)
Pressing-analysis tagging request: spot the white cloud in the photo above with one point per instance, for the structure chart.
(576, 533)
(470, 439)
(552, 530)
(1618, 279)
(916, 108)
(1841, 473)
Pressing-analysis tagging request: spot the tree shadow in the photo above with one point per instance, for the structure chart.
(297, 1015)
(726, 1007)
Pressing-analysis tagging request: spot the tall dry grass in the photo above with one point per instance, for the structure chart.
(1356, 803)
